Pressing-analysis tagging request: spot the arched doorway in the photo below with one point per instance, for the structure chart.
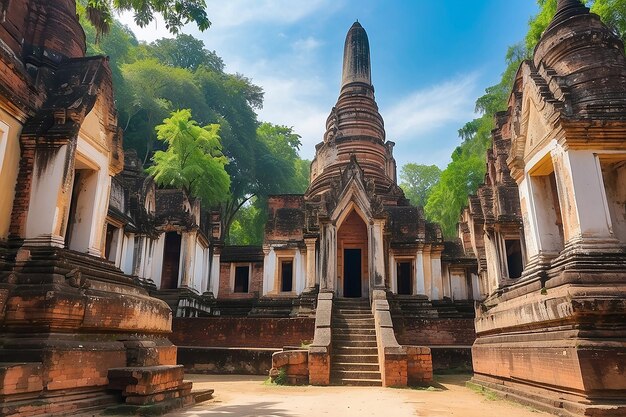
(352, 257)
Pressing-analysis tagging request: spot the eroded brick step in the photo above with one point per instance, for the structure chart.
(346, 366)
(354, 331)
(359, 382)
(357, 343)
(346, 358)
(351, 324)
(350, 317)
(354, 313)
(55, 405)
(354, 375)
(354, 336)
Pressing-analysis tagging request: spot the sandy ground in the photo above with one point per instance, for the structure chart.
(249, 396)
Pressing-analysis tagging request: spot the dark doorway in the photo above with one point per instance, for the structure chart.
(286, 276)
(404, 278)
(171, 260)
(73, 202)
(352, 273)
(514, 260)
(242, 278)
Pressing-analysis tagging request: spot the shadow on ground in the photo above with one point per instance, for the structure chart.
(256, 409)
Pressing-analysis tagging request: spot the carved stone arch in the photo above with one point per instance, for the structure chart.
(354, 197)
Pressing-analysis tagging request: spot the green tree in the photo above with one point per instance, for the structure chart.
(461, 178)
(193, 160)
(465, 173)
(154, 90)
(278, 169)
(417, 181)
(175, 13)
(185, 51)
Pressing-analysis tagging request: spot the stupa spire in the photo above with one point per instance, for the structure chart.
(356, 56)
(566, 9)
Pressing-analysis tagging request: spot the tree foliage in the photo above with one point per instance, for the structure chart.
(185, 51)
(175, 13)
(151, 80)
(417, 181)
(193, 160)
(464, 174)
(279, 170)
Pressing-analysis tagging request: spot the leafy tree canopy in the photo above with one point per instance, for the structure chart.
(185, 51)
(464, 174)
(417, 181)
(175, 13)
(193, 160)
(279, 170)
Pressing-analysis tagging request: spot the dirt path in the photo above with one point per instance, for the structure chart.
(248, 396)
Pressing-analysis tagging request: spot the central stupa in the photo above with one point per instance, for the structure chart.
(354, 128)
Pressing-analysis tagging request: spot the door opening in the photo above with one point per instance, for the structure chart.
(171, 260)
(352, 273)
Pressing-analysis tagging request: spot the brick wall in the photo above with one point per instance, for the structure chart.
(419, 365)
(435, 332)
(242, 332)
(224, 361)
(255, 281)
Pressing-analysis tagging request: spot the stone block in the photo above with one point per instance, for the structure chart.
(20, 378)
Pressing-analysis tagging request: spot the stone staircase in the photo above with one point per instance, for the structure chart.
(354, 358)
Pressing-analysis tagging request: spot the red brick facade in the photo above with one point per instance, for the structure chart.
(242, 332)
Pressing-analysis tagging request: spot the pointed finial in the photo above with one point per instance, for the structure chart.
(356, 56)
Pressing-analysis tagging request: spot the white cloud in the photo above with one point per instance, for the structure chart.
(297, 102)
(306, 45)
(239, 12)
(424, 111)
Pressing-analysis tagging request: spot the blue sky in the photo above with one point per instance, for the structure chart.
(430, 61)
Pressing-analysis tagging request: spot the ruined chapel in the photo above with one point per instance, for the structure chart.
(111, 287)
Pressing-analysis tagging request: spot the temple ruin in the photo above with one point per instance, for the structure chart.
(76, 331)
(102, 272)
(554, 201)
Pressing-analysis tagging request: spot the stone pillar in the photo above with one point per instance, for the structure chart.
(418, 286)
(269, 269)
(328, 264)
(581, 196)
(437, 279)
(50, 195)
(393, 274)
(187, 254)
(538, 212)
(214, 273)
(100, 209)
(299, 270)
(376, 254)
(310, 263)
(427, 271)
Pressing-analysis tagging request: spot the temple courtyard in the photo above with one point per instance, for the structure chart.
(238, 395)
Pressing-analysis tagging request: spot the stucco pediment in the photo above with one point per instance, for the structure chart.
(353, 190)
(535, 113)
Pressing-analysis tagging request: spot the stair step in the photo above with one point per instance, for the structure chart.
(355, 351)
(354, 323)
(359, 382)
(353, 313)
(356, 343)
(341, 374)
(365, 337)
(356, 331)
(348, 358)
(347, 366)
